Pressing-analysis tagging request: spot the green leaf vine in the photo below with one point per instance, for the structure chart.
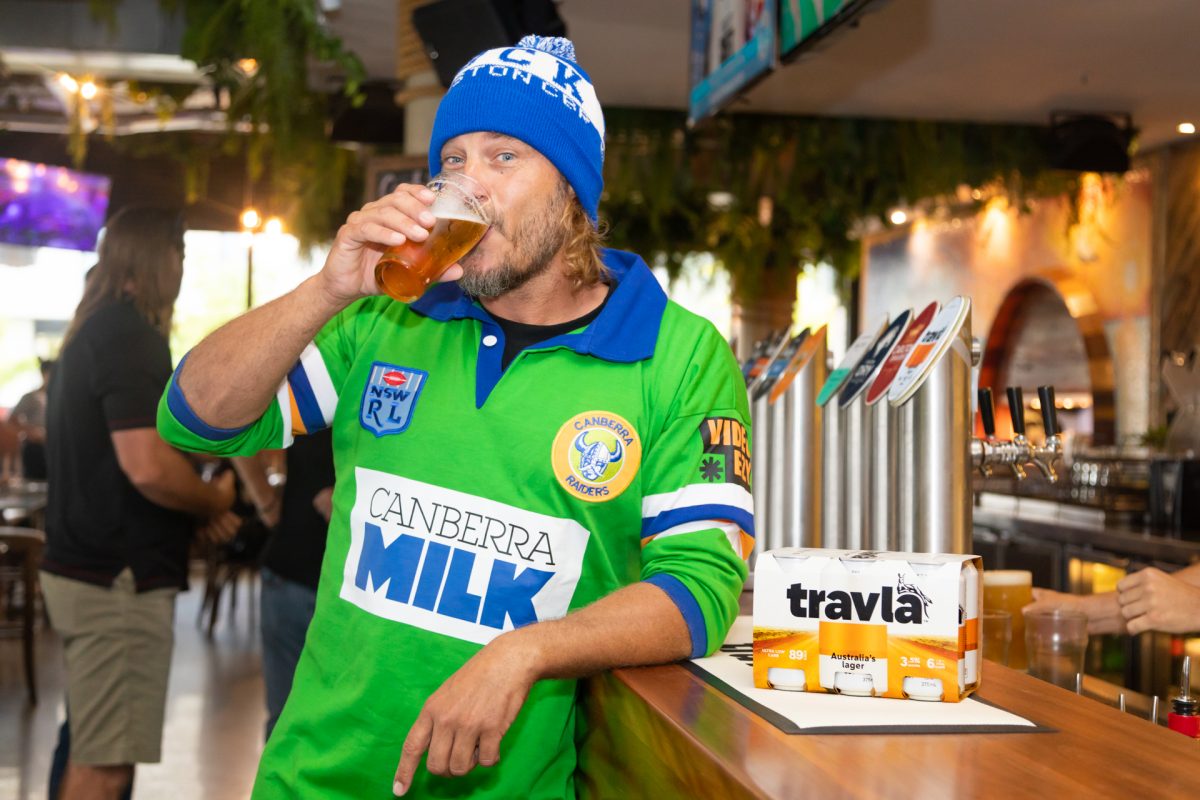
(794, 188)
(276, 119)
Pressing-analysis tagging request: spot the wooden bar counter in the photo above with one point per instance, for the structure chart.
(662, 732)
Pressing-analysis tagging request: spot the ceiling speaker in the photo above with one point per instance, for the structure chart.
(1091, 142)
(454, 31)
(378, 120)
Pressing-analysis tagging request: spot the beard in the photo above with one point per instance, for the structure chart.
(533, 242)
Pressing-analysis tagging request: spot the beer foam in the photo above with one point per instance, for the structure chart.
(460, 216)
(1007, 577)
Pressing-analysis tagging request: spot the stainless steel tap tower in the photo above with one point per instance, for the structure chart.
(761, 449)
(786, 421)
(858, 423)
(882, 456)
(933, 396)
(835, 452)
(796, 392)
(767, 469)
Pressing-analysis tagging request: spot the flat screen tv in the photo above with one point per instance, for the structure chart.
(804, 22)
(733, 46)
(47, 206)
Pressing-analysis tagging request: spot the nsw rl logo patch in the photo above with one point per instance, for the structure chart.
(726, 456)
(389, 398)
(595, 455)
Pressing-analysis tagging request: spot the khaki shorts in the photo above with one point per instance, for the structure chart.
(117, 645)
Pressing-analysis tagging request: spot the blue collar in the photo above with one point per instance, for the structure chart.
(626, 330)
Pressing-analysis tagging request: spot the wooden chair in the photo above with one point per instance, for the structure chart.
(25, 544)
(225, 565)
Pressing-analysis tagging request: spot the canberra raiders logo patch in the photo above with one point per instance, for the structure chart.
(596, 455)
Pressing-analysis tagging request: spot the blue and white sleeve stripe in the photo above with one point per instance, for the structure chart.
(307, 398)
(726, 506)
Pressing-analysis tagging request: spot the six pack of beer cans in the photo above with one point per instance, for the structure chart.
(867, 623)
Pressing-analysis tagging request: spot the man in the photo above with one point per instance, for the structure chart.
(121, 505)
(10, 448)
(29, 414)
(520, 498)
(291, 558)
(1147, 600)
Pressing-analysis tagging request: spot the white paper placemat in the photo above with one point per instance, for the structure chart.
(730, 670)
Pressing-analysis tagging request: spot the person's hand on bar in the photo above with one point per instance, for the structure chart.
(1103, 613)
(1150, 599)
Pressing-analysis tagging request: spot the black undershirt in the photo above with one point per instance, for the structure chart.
(519, 335)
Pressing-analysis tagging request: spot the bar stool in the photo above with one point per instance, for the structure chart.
(27, 544)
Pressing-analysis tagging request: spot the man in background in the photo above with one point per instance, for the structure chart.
(29, 414)
(122, 506)
(291, 559)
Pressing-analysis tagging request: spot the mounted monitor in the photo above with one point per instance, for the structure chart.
(733, 46)
(804, 22)
(48, 206)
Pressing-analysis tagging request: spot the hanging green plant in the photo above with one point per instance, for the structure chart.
(256, 53)
(766, 193)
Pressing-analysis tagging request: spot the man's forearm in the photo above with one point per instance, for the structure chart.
(232, 375)
(252, 470)
(1103, 612)
(1189, 574)
(177, 486)
(635, 625)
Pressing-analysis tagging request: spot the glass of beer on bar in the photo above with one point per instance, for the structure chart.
(1010, 590)
(464, 214)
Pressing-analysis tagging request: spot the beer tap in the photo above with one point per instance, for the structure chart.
(983, 450)
(990, 451)
(1044, 457)
(1022, 450)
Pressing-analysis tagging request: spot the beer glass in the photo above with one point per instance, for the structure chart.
(1010, 590)
(1056, 641)
(996, 635)
(464, 214)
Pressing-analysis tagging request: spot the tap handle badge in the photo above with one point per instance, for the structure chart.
(1049, 412)
(1016, 405)
(987, 412)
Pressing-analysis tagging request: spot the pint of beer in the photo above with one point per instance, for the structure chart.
(1010, 590)
(463, 214)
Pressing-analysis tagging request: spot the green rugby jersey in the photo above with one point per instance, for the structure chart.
(470, 501)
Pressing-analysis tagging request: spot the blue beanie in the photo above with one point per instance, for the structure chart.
(534, 92)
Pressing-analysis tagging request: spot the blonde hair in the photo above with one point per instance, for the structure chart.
(141, 259)
(582, 244)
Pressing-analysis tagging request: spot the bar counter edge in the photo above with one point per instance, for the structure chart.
(662, 732)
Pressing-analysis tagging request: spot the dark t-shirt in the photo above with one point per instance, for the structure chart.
(109, 378)
(295, 550)
(519, 335)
